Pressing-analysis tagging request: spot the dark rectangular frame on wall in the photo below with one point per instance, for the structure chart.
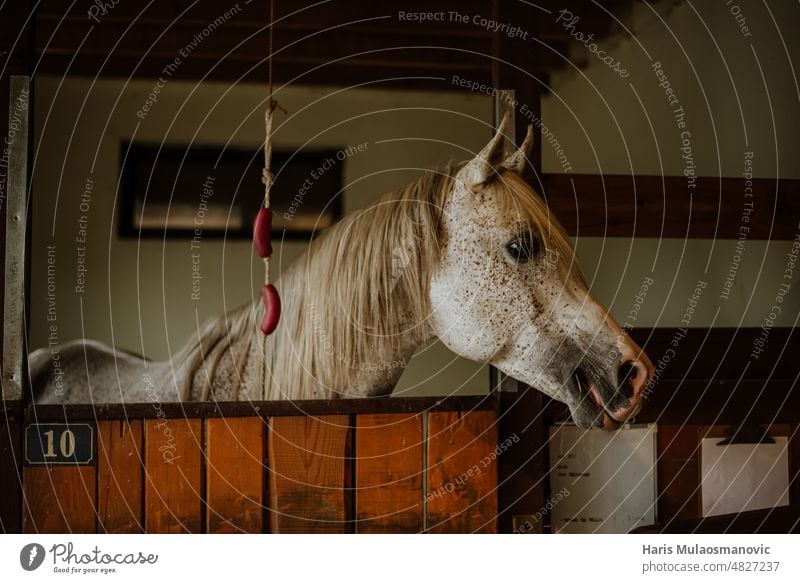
(214, 191)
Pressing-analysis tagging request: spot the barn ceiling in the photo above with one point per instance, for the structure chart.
(323, 42)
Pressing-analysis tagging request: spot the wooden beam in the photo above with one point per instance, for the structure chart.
(656, 206)
(322, 45)
(721, 353)
(208, 409)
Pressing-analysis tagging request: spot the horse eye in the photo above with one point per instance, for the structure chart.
(522, 248)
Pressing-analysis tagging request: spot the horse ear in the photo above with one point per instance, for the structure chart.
(482, 166)
(516, 162)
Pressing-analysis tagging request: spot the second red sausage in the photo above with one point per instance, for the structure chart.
(272, 309)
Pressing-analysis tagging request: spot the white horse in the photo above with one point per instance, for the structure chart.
(469, 255)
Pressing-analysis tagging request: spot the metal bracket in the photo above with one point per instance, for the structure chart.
(16, 222)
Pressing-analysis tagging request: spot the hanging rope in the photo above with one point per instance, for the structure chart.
(263, 223)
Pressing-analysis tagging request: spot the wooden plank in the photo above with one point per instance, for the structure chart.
(120, 474)
(462, 472)
(722, 402)
(654, 206)
(173, 475)
(234, 474)
(389, 473)
(728, 349)
(59, 499)
(523, 469)
(678, 473)
(262, 408)
(308, 474)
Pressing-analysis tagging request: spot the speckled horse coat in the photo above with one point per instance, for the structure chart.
(469, 255)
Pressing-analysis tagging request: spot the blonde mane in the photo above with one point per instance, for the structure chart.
(357, 297)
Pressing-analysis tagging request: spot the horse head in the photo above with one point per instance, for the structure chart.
(507, 290)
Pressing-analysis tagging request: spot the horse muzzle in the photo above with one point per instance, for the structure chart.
(624, 403)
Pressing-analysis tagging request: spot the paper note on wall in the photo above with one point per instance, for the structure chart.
(609, 478)
(741, 476)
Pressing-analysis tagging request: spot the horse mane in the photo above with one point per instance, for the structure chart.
(358, 295)
(353, 301)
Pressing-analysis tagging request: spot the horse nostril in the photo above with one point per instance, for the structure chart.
(627, 375)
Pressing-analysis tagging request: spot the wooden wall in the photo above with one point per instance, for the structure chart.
(389, 472)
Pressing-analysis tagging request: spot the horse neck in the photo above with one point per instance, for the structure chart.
(355, 308)
(224, 359)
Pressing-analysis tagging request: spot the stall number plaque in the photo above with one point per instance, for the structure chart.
(70, 444)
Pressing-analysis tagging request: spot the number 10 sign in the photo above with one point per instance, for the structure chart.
(59, 444)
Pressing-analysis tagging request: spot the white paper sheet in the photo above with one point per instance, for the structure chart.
(743, 477)
(609, 478)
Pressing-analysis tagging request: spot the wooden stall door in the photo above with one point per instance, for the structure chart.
(462, 472)
(389, 473)
(120, 473)
(309, 483)
(234, 474)
(173, 476)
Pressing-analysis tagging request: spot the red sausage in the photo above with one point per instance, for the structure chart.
(272, 309)
(261, 230)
